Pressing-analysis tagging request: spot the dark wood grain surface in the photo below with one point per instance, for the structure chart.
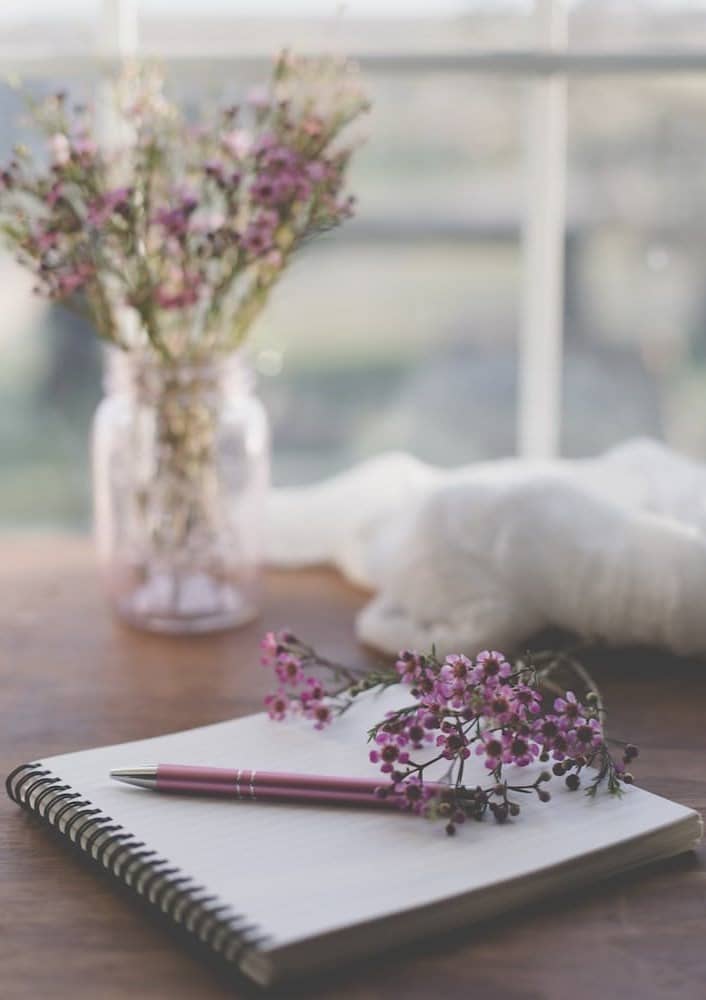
(71, 677)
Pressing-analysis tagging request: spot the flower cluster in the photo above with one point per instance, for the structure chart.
(185, 226)
(484, 707)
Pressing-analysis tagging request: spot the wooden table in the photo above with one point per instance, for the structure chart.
(72, 677)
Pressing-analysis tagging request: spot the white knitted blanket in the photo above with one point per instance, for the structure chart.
(484, 556)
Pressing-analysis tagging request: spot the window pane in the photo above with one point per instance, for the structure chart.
(636, 323)
(637, 24)
(358, 26)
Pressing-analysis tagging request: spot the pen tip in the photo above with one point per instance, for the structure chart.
(143, 776)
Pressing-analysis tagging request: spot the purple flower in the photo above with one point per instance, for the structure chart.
(569, 709)
(491, 667)
(182, 289)
(519, 749)
(60, 149)
(588, 733)
(216, 170)
(492, 746)
(278, 705)
(55, 193)
(412, 730)
(500, 703)
(288, 668)
(389, 753)
(84, 148)
(269, 644)
(70, 280)
(320, 713)
(413, 794)
(454, 743)
(238, 143)
(317, 171)
(280, 158)
(101, 208)
(314, 691)
(408, 666)
(526, 700)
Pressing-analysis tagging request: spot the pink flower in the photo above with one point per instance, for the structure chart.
(408, 666)
(278, 705)
(84, 148)
(491, 667)
(238, 143)
(454, 743)
(45, 239)
(413, 794)
(178, 297)
(314, 691)
(280, 158)
(390, 753)
(101, 208)
(500, 703)
(546, 730)
(56, 191)
(319, 712)
(60, 149)
(519, 749)
(526, 700)
(491, 745)
(456, 667)
(258, 98)
(312, 126)
(269, 645)
(71, 280)
(273, 259)
(288, 668)
(317, 171)
(588, 733)
(569, 709)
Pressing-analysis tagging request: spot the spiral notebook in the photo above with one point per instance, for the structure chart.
(280, 890)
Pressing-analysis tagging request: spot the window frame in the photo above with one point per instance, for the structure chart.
(547, 68)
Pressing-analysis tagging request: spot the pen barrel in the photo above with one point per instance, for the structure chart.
(273, 793)
(244, 781)
(246, 784)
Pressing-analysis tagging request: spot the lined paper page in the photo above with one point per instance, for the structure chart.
(299, 871)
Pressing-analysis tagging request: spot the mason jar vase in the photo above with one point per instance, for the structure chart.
(180, 474)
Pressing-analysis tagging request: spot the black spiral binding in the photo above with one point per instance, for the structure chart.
(213, 925)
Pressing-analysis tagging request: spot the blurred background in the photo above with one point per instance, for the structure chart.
(401, 330)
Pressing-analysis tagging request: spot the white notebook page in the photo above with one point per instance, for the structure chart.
(299, 871)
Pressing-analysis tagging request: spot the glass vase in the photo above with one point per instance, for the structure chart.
(180, 473)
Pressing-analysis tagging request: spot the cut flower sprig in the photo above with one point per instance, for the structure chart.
(460, 707)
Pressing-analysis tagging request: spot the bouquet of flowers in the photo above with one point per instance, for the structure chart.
(173, 239)
(510, 715)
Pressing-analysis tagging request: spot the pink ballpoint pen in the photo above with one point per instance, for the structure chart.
(259, 785)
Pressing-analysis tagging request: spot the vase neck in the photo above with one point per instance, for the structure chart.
(147, 378)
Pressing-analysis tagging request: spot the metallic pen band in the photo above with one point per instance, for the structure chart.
(251, 783)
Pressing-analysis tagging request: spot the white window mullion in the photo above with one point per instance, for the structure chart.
(116, 41)
(541, 328)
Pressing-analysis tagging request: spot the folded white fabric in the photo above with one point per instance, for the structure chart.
(612, 548)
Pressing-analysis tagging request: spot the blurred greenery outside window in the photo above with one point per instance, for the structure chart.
(400, 331)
